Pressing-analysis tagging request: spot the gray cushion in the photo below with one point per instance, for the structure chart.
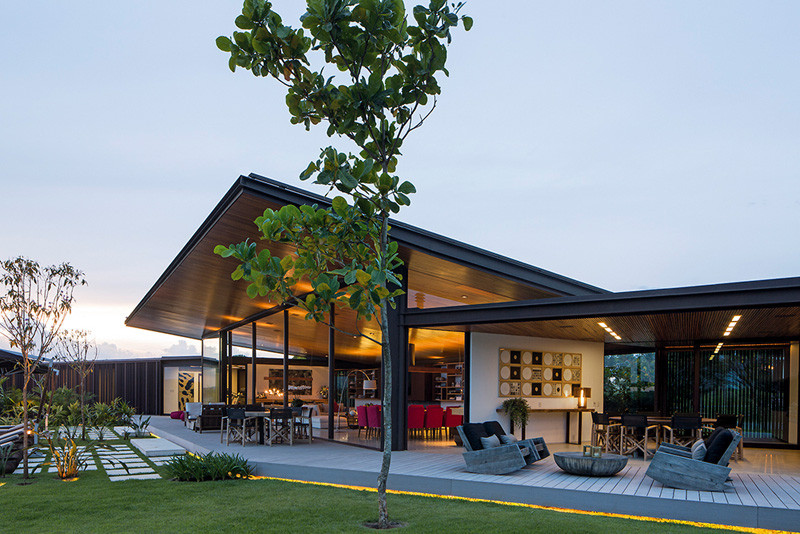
(474, 432)
(508, 438)
(490, 442)
(718, 446)
(699, 450)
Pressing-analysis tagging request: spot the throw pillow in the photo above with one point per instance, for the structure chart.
(718, 446)
(490, 442)
(508, 438)
(699, 450)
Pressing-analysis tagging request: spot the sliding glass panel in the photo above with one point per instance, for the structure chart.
(753, 382)
(629, 383)
(679, 382)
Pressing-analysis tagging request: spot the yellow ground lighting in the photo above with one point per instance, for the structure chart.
(533, 506)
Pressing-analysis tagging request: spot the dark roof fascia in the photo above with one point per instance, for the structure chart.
(222, 206)
(781, 292)
(440, 246)
(406, 234)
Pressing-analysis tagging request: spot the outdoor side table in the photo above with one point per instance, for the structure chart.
(576, 463)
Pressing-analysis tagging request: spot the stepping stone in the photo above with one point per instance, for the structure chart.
(132, 471)
(135, 477)
(157, 447)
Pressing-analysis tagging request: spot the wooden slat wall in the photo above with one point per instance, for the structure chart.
(138, 383)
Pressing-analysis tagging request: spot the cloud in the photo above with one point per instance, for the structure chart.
(111, 350)
(181, 348)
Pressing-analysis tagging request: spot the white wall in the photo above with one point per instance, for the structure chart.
(483, 383)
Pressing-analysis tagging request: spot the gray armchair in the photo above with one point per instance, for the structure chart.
(500, 460)
(674, 466)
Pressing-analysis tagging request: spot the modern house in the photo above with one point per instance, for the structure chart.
(475, 328)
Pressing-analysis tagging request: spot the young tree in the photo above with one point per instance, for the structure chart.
(79, 352)
(32, 309)
(384, 86)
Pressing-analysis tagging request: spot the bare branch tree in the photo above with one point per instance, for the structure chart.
(33, 307)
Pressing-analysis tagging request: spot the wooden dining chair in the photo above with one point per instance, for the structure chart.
(635, 435)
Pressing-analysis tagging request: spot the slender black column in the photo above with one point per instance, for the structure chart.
(465, 382)
(229, 371)
(222, 378)
(398, 346)
(253, 381)
(285, 358)
(696, 389)
(331, 371)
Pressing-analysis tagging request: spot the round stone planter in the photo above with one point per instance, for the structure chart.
(577, 464)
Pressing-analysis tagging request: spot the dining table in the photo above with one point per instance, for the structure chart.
(264, 420)
(662, 421)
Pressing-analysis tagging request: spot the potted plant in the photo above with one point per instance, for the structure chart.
(517, 411)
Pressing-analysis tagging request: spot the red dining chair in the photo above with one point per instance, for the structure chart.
(361, 419)
(434, 417)
(451, 420)
(373, 419)
(416, 418)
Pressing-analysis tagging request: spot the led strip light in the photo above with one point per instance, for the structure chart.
(607, 329)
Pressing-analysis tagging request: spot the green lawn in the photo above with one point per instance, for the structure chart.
(94, 504)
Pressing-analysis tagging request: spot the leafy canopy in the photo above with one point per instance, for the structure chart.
(383, 86)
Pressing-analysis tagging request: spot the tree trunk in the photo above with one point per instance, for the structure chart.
(26, 377)
(383, 512)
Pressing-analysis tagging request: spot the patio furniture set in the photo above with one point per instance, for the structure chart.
(433, 420)
(252, 422)
(682, 459)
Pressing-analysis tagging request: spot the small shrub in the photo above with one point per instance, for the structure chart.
(69, 459)
(212, 466)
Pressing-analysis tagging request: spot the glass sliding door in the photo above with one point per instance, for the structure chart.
(629, 384)
(753, 382)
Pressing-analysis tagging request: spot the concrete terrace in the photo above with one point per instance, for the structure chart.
(765, 494)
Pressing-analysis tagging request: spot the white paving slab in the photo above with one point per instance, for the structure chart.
(135, 477)
(130, 471)
(157, 447)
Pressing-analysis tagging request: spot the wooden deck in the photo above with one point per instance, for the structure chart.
(755, 499)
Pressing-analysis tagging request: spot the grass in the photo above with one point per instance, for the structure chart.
(94, 504)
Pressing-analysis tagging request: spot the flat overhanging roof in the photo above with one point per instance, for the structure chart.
(195, 296)
(770, 311)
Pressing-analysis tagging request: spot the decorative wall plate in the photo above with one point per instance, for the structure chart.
(527, 358)
(526, 389)
(567, 375)
(557, 359)
(505, 356)
(547, 390)
(516, 356)
(515, 372)
(567, 360)
(537, 358)
(505, 389)
(536, 388)
(556, 374)
(547, 359)
(548, 373)
(505, 372)
(567, 390)
(526, 373)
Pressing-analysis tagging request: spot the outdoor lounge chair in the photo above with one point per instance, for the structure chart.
(675, 467)
(502, 459)
(210, 418)
(192, 413)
